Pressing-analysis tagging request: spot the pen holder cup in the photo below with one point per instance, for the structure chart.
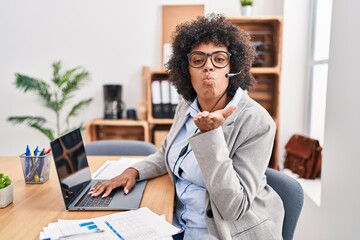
(36, 169)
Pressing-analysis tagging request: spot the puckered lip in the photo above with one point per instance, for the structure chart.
(208, 78)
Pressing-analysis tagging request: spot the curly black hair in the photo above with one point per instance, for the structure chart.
(217, 29)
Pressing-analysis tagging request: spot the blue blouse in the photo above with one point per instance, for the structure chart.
(190, 188)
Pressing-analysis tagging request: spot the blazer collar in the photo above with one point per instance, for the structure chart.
(228, 125)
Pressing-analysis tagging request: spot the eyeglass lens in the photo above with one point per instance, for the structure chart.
(219, 59)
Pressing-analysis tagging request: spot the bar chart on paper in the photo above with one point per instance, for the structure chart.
(138, 225)
(131, 225)
(74, 229)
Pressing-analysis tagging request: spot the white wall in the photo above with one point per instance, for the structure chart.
(338, 215)
(112, 39)
(294, 71)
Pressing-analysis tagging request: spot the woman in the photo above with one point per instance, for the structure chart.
(220, 142)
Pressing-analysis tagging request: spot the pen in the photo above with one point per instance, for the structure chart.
(27, 160)
(82, 233)
(33, 168)
(41, 159)
(36, 151)
(48, 151)
(32, 162)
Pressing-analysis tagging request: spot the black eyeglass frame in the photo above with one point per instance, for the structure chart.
(207, 56)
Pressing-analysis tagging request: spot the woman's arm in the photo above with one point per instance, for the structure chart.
(233, 162)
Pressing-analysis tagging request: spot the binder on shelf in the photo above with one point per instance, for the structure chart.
(174, 100)
(165, 98)
(156, 99)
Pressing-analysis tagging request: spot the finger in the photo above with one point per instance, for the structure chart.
(228, 111)
(205, 113)
(95, 188)
(107, 192)
(129, 185)
(100, 188)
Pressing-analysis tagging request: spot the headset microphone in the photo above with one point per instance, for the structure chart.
(229, 75)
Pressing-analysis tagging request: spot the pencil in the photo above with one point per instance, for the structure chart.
(81, 234)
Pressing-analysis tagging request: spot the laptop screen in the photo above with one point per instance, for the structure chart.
(71, 164)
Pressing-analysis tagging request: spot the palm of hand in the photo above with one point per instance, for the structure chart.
(206, 121)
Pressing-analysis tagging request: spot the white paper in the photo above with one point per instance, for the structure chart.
(131, 225)
(138, 225)
(156, 92)
(112, 168)
(165, 91)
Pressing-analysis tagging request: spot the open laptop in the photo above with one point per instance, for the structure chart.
(75, 178)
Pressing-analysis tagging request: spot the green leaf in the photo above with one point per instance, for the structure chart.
(56, 69)
(73, 84)
(29, 120)
(66, 77)
(4, 181)
(77, 107)
(40, 87)
(46, 131)
(7, 181)
(35, 122)
(246, 2)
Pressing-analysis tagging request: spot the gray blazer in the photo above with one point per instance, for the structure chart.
(233, 159)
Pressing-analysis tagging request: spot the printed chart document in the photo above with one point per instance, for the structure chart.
(131, 225)
(112, 168)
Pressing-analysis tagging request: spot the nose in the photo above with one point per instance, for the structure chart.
(209, 66)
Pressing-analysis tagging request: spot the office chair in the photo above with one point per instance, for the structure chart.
(119, 148)
(292, 195)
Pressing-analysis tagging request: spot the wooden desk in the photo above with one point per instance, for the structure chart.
(36, 205)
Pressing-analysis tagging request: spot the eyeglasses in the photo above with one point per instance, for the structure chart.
(219, 59)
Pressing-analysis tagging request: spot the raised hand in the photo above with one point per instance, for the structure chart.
(206, 121)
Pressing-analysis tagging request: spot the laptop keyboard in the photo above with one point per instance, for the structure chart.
(88, 201)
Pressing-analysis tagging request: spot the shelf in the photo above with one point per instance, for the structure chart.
(264, 70)
(101, 129)
(163, 121)
(265, 35)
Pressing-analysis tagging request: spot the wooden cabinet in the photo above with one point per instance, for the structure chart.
(102, 129)
(158, 126)
(266, 36)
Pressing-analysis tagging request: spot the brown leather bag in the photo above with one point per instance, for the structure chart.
(303, 156)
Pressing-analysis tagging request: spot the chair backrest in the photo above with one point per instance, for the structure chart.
(292, 195)
(120, 148)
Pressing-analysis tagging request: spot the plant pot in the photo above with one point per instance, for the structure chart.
(6, 196)
(246, 10)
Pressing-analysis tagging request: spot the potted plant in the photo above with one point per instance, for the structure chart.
(6, 190)
(55, 96)
(246, 7)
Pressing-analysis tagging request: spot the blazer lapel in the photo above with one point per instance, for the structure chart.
(228, 125)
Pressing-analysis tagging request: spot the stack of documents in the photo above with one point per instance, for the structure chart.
(131, 225)
(112, 168)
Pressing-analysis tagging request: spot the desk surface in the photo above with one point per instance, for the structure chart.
(36, 205)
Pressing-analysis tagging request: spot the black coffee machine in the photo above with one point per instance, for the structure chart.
(113, 104)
